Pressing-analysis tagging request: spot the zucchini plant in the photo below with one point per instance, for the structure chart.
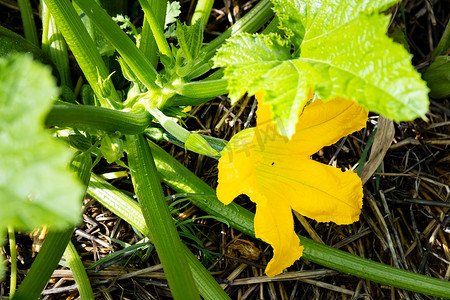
(314, 58)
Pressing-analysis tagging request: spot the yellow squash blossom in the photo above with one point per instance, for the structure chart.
(277, 174)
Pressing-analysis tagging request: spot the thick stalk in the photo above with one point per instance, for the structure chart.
(79, 273)
(182, 180)
(158, 219)
(203, 88)
(128, 210)
(156, 27)
(202, 11)
(138, 63)
(148, 44)
(29, 27)
(44, 264)
(99, 118)
(54, 45)
(84, 50)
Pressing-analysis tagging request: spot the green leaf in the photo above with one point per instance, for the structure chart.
(438, 77)
(317, 17)
(190, 39)
(340, 50)
(36, 186)
(195, 142)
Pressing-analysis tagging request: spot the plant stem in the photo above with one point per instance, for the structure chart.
(130, 53)
(29, 27)
(13, 255)
(202, 11)
(99, 118)
(203, 88)
(170, 125)
(157, 28)
(444, 43)
(148, 44)
(158, 219)
(83, 48)
(128, 210)
(138, 63)
(78, 271)
(159, 134)
(54, 45)
(251, 22)
(43, 266)
(182, 180)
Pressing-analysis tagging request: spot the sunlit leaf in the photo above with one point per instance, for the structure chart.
(340, 49)
(36, 186)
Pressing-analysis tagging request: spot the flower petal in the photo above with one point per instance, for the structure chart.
(324, 123)
(277, 229)
(315, 190)
(321, 124)
(236, 167)
(328, 194)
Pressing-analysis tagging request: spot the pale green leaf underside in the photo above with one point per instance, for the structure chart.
(346, 54)
(36, 187)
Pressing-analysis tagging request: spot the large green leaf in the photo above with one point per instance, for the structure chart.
(340, 50)
(36, 186)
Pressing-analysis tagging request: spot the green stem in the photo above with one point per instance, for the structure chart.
(158, 219)
(157, 28)
(78, 271)
(127, 209)
(179, 100)
(251, 22)
(160, 134)
(99, 118)
(84, 49)
(203, 88)
(147, 44)
(13, 255)
(202, 11)
(170, 125)
(182, 180)
(54, 244)
(138, 63)
(44, 264)
(444, 42)
(29, 27)
(54, 45)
